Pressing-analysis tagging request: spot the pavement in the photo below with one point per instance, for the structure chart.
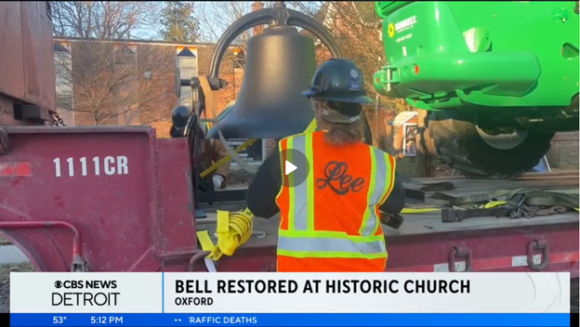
(10, 254)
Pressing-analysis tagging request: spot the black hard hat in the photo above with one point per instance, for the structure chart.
(338, 80)
(180, 116)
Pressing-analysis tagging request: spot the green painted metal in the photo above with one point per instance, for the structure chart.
(453, 55)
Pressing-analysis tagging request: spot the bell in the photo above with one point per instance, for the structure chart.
(280, 64)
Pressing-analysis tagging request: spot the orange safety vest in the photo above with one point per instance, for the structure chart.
(330, 222)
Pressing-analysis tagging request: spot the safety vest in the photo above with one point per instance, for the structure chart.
(330, 222)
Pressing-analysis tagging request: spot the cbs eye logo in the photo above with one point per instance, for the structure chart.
(68, 284)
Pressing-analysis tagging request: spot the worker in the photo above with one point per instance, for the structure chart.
(179, 119)
(330, 222)
(211, 151)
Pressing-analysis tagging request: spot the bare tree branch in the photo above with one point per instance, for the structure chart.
(216, 17)
(102, 19)
(111, 84)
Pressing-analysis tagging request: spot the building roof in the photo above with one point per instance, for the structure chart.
(136, 41)
(403, 117)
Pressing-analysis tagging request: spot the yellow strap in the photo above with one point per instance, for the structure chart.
(205, 240)
(233, 229)
(492, 204)
(410, 211)
(226, 158)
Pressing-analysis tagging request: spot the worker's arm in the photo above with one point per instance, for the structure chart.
(396, 200)
(264, 188)
(218, 152)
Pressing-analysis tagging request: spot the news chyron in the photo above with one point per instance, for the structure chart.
(191, 298)
(86, 292)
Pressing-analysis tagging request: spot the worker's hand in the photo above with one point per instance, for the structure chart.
(217, 181)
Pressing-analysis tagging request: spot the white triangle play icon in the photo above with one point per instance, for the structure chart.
(289, 167)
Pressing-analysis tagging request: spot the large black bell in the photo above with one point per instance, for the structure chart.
(280, 64)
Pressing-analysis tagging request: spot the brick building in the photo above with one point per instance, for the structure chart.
(128, 82)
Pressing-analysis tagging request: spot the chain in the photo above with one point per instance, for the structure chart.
(57, 120)
(535, 211)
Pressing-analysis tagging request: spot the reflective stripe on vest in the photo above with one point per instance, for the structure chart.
(302, 241)
(318, 247)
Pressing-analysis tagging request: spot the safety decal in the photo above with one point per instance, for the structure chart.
(391, 30)
(14, 169)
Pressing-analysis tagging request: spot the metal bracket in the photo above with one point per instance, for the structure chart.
(544, 247)
(4, 142)
(195, 258)
(78, 265)
(460, 252)
(34, 112)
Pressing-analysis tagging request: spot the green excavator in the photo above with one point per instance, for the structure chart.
(498, 79)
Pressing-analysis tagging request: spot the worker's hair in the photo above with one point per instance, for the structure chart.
(337, 134)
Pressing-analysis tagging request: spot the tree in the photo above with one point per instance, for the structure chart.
(103, 19)
(103, 82)
(216, 17)
(179, 23)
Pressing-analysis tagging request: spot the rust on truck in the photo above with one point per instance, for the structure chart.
(27, 82)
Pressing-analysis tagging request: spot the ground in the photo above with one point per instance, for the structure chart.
(5, 283)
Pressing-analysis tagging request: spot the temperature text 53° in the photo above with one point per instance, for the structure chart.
(96, 166)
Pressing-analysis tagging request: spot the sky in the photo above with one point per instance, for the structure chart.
(215, 17)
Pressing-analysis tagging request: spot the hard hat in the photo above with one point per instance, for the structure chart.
(180, 116)
(338, 80)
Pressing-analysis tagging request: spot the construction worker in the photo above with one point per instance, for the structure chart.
(330, 221)
(211, 151)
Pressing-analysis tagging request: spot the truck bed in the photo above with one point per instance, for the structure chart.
(430, 223)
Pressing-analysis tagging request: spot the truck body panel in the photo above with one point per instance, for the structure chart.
(26, 63)
(142, 218)
(449, 55)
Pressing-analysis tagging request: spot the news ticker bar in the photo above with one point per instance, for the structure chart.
(210, 293)
(293, 319)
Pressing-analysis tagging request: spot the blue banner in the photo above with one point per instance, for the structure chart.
(291, 319)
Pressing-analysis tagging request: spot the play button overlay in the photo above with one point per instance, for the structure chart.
(295, 168)
(289, 167)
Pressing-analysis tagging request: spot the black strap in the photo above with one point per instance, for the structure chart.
(515, 200)
(449, 215)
